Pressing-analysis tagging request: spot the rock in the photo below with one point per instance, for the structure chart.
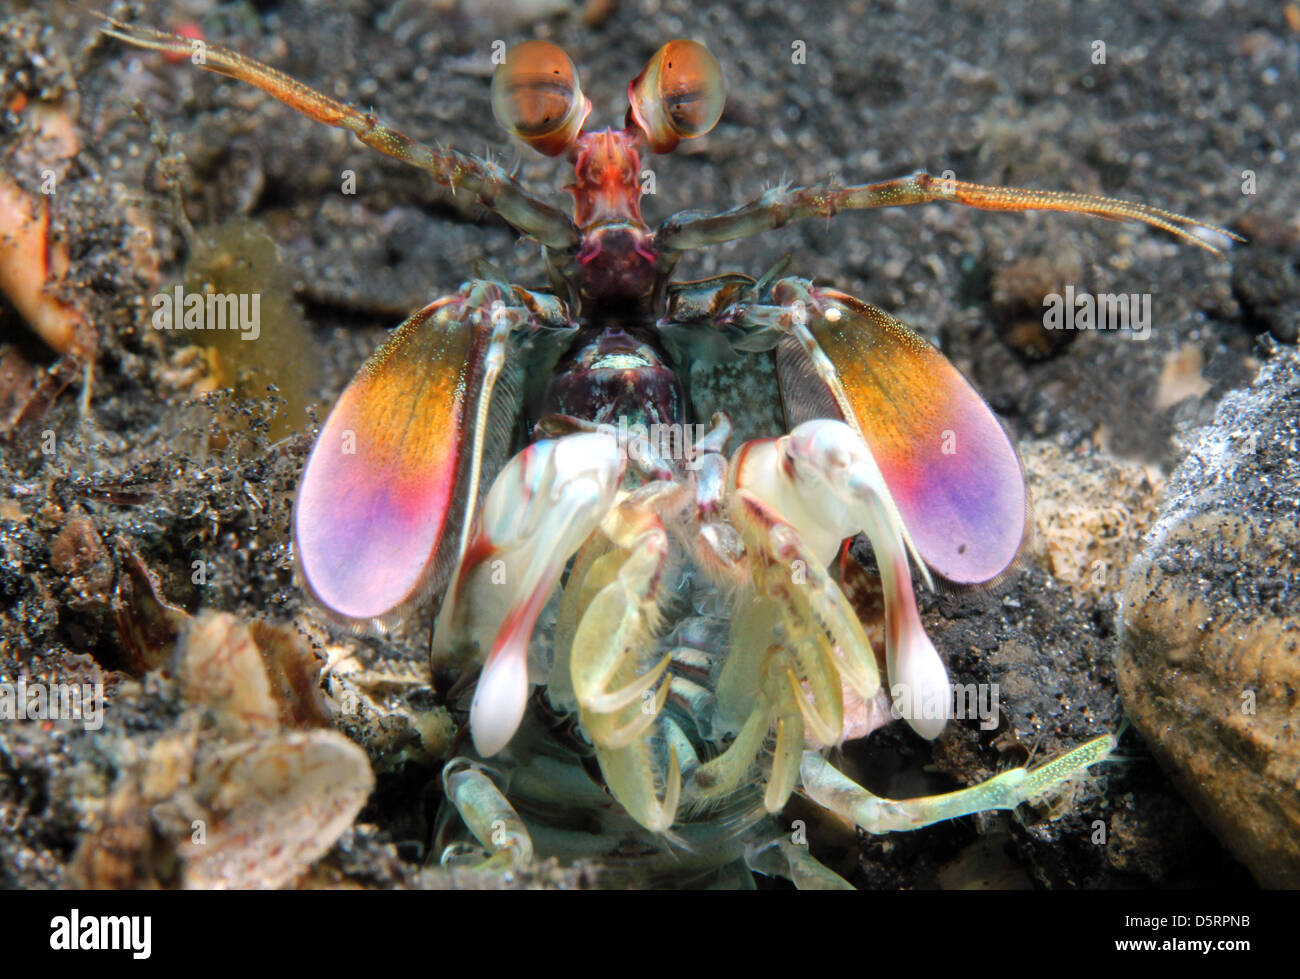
(1266, 277)
(1209, 659)
(1017, 292)
(1090, 512)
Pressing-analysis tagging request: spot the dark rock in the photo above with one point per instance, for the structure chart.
(1266, 277)
(1209, 662)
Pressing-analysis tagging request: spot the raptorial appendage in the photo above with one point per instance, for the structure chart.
(540, 509)
(799, 662)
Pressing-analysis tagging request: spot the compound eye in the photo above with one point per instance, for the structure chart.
(535, 95)
(678, 95)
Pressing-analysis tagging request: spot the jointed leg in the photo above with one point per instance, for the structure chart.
(781, 205)
(781, 858)
(613, 682)
(835, 791)
(493, 186)
(541, 507)
(491, 819)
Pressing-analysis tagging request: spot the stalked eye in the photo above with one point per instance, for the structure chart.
(535, 95)
(678, 95)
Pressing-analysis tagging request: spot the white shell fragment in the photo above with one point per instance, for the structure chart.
(276, 805)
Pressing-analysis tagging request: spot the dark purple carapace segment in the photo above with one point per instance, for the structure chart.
(616, 377)
(619, 268)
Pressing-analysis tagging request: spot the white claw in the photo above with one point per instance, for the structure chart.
(539, 511)
(499, 699)
(919, 682)
(823, 479)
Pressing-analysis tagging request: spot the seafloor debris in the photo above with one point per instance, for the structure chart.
(1209, 662)
(40, 104)
(226, 798)
(237, 260)
(1090, 511)
(146, 624)
(34, 266)
(30, 262)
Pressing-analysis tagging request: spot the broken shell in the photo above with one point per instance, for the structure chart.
(249, 808)
(277, 806)
(220, 671)
(29, 261)
(294, 671)
(147, 626)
